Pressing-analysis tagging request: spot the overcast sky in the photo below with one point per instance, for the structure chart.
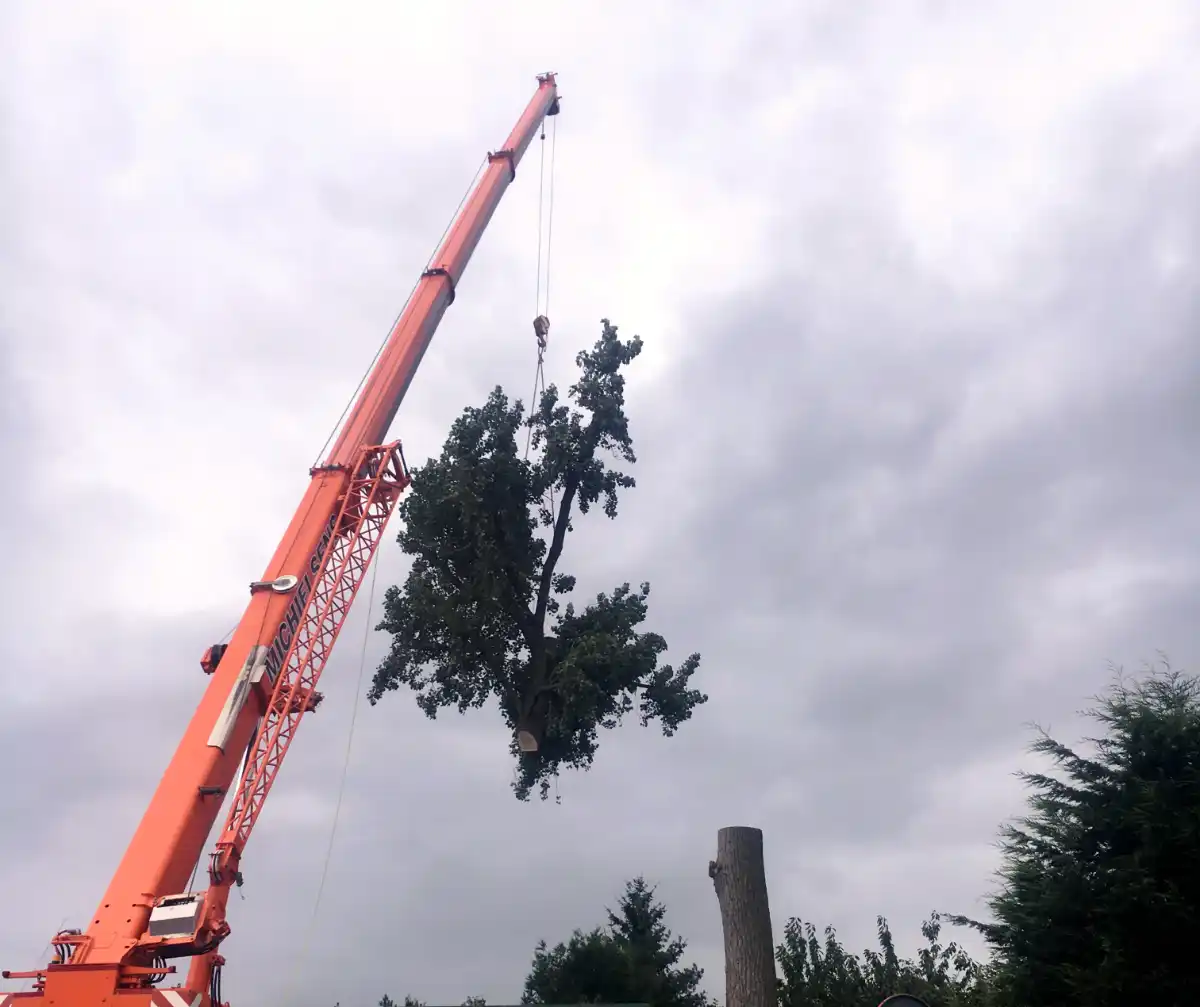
(917, 429)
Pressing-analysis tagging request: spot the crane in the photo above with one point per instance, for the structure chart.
(264, 680)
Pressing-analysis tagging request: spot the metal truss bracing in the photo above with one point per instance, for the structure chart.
(378, 479)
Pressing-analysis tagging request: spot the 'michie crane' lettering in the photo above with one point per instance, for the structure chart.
(277, 652)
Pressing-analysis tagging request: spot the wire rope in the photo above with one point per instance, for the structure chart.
(310, 930)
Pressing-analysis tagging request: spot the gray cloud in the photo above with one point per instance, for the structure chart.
(906, 486)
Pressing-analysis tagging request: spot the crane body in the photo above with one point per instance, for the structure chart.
(263, 682)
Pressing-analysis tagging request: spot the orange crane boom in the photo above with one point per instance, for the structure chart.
(264, 681)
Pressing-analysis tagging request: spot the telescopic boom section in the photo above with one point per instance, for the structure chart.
(384, 389)
(264, 681)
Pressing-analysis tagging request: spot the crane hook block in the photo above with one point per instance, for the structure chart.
(541, 329)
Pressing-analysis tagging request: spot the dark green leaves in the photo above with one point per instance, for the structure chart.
(1100, 891)
(483, 613)
(819, 972)
(634, 959)
(455, 624)
(587, 968)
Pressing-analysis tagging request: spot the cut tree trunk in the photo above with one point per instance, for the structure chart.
(740, 879)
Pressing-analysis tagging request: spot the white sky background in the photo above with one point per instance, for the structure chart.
(915, 420)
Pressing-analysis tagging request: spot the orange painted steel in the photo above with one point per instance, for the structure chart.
(264, 682)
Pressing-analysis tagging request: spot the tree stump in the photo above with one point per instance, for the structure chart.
(740, 878)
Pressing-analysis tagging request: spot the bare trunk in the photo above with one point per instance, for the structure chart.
(531, 725)
(740, 879)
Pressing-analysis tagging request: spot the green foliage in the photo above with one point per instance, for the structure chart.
(816, 972)
(1099, 902)
(387, 1001)
(635, 959)
(589, 968)
(654, 954)
(484, 612)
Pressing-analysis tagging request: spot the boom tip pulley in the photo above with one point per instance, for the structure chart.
(550, 77)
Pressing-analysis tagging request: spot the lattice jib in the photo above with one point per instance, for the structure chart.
(371, 496)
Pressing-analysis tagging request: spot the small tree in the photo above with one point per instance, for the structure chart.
(654, 954)
(1099, 901)
(821, 973)
(634, 960)
(482, 614)
(588, 968)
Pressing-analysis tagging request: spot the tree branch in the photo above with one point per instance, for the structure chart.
(570, 487)
(525, 619)
(591, 442)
